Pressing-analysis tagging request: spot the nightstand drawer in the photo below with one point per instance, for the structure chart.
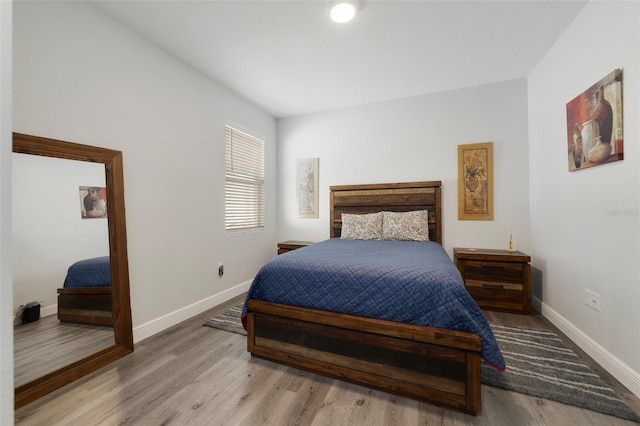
(492, 285)
(494, 271)
(494, 291)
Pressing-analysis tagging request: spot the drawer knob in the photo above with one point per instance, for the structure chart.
(492, 285)
(492, 265)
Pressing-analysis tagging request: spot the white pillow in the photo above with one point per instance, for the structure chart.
(362, 226)
(413, 226)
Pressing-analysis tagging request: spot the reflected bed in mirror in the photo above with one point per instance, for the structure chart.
(118, 339)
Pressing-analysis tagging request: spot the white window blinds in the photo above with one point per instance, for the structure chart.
(244, 180)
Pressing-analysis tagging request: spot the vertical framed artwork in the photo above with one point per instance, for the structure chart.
(307, 187)
(475, 181)
(594, 124)
(93, 202)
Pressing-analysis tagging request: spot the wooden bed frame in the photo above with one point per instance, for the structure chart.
(86, 305)
(430, 364)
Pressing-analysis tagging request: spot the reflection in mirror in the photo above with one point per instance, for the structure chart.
(117, 313)
(52, 230)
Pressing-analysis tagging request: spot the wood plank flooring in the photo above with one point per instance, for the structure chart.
(192, 374)
(44, 346)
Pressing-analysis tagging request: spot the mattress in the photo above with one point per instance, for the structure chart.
(94, 272)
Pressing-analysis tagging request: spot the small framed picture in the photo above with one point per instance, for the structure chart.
(307, 187)
(475, 181)
(93, 202)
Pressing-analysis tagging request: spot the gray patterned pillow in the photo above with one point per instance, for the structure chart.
(412, 226)
(362, 226)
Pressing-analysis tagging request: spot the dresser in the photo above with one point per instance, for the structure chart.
(497, 279)
(286, 246)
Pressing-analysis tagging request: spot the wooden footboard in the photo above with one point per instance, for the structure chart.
(430, 364)
(85, 305)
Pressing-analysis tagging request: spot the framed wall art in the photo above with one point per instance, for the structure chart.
(93, 202)
(594, 124)
(475, 181)
(307, 187)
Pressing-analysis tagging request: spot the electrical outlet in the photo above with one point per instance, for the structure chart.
(587, 298)
(592, 299)
(220, 269)
(595, 301)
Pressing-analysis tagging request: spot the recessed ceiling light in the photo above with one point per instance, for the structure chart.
(342, 12)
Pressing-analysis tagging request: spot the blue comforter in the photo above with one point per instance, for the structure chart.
(404, 281)
(95, 272)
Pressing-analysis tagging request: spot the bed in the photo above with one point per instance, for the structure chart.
(85, 297)
(429, 357)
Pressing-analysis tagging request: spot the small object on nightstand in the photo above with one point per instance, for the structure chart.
(292, 245)
(497, 280)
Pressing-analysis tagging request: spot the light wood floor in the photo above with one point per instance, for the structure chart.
(192, 374)
(43, 346)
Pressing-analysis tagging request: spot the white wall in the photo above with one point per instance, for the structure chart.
(415, 139)
(577, 243)
(82, 77)
(6, 317)
(49, 233)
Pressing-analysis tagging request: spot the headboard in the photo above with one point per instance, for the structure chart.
(394, 197)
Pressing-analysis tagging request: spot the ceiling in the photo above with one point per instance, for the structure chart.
(288, 58)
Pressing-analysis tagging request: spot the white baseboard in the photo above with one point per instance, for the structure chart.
(618, 369)
(49, 310)
(150, 328)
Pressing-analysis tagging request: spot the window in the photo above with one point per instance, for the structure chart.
(243, 181)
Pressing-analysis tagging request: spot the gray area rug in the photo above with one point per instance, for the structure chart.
(541, 365)
(538, 364)
(228, 321)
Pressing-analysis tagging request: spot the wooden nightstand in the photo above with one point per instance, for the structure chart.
(497, 279)
(292, 245)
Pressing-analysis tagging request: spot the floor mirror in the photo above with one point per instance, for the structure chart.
(118, 319)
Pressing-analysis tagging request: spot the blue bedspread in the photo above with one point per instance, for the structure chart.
(404, 281)
(94, 272)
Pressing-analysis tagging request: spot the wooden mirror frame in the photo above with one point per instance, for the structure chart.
(123, 331)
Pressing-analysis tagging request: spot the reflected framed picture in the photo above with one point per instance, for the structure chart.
(594, 124)
(475, 181)
(93, 202)
(307, 187)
